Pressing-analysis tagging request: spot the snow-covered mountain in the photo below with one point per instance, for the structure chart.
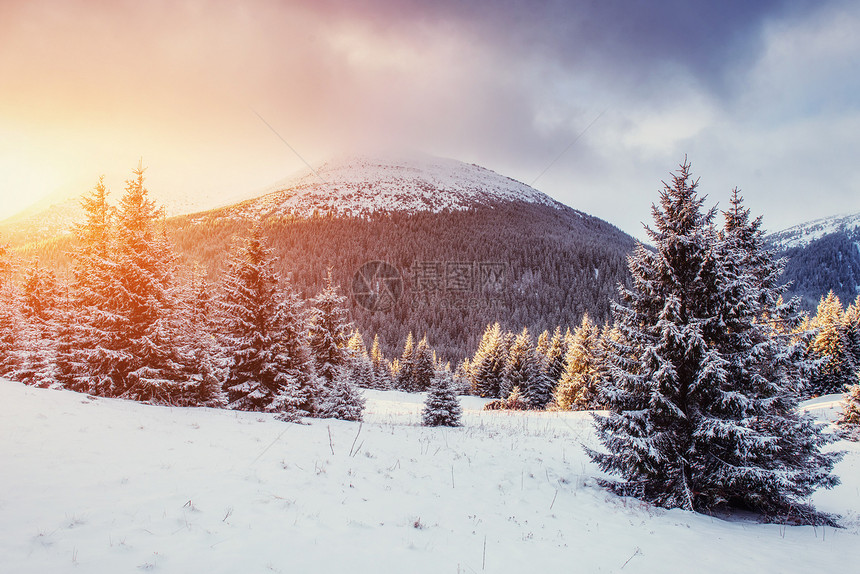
(821, 256)
(805, 233)
(362, 186)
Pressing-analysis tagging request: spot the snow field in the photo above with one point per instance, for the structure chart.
(107, 486)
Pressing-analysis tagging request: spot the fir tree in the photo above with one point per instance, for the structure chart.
(488, 365)
(329, 328)
(381, 371)
(555, 355)
(342, 399)
(701, 408)
(851, 320)
(831, 345)
(10, 327)
(579, 386)
(850, 418)
(405, 368)
(94, 329)
(147, 364)
(441, 407)
(268, 363)
(424, 367)
(523, 369)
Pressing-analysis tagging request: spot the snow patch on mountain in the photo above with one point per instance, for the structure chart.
(805, 233)
(361, 186)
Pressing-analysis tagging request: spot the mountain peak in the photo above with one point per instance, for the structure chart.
(363, 185)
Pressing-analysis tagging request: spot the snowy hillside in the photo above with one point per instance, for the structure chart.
(805, 233)
(105, 486)
(358, 185)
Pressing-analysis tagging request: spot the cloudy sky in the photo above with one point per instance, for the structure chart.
(593, 102)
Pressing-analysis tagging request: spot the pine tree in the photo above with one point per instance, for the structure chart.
(204, 386)
(850, 418)
(488, 364)
(10, 328)
(36, 349)
(342, 399)
(701, 408)
(555, 355)
(268, 362)
(831, 345)
(381, 370)
(441, 407)
(93, 325)
(405, 368)
(523, 370)
(579, 386)
(329, 328)
(359, 363)
(147, 364)
(851, 320)
(424, 367)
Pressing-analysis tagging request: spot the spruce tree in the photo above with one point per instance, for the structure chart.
(381, 371)
(702, 411)
(341, 398)
(579, 386)
(405, 368)
(94, 327)
(441, 407)
(329, 329)
(850, 417)
(831, 346)
(147, 363)
(523, 370)
(267, 360)
(423, 368)
(488, 364)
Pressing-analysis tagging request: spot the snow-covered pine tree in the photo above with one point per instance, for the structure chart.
(403, 370)
(10, 327)
(523, 370)
(341, 398)
(204, 385)
(39, 302)
(424, 366)
(488, 364)
(442, 406)
(381, 370)
(851, 320)
(359, 362)
(850, 418)
(268, 362)
(555, 356)
(94, 327)
(329, 329)
(148, 365)
(701, 408)
(830, 344)
(579, 386)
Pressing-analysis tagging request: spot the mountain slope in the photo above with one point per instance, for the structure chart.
(821, 256)
(465, 247)
(364, 186)
(444, 227)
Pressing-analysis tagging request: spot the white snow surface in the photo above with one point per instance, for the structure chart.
(105, 486)
(364, 185)
(805, 233)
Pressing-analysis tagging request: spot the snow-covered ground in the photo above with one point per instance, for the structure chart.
(107, 486)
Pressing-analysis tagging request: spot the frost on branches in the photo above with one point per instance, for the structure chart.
(269, 365)
(442, 407)
(704, 373)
